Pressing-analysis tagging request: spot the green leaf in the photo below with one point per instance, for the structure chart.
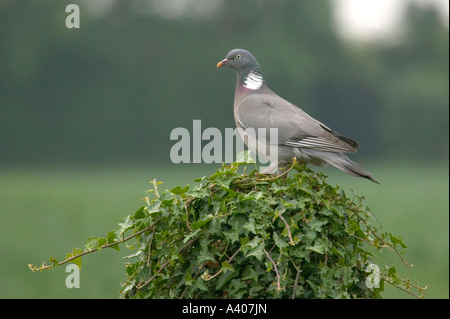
(250, 273)
(224, 278)
(255, 247)
(279, 242)
(227, 267)
(188, 280)
(200, 223)
(200, 284)
(140, 213)
(397, 241)
(317, 224)
(255, 242)
(166, 198)
(190, 235)
(75, 252)
(244, 240)
(278, 189)
(111, 238)
(100, 243)
(124, 225)
(205, 255)
(54, 261)
(319, 247)
(92, 243)
(178, 190)
(154, 207)
(250, 225)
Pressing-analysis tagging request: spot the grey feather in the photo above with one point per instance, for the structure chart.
(265, 109)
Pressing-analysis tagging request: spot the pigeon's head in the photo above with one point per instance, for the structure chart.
(239, 60)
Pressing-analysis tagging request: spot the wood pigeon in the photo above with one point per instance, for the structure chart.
(299, 135)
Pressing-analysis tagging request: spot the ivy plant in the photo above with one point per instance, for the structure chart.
(240, 234)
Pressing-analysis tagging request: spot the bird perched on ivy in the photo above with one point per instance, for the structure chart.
(298, 135)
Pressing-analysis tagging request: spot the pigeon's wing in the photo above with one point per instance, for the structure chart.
(295, 127)
(346, 139)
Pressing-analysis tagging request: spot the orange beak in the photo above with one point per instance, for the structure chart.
(222, 63)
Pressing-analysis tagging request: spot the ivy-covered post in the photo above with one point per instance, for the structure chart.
(247, 235)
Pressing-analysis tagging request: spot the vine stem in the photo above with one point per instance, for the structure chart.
(275, 268)
(229, 260)
(294, 162)
(187, 245)
(216, 274)
(95, 249)
(270, 178)
(296, 281)
(151, 278)
(406, 290)
(384, 245)
(287, 226)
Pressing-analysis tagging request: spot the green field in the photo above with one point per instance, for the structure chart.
(49, 211)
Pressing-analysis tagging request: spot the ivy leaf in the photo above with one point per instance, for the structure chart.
(188, 280)
(319, 247)
(191, 234)
(91, 243)
(255, 248)
(224, 278)
(317, 224)
(140, 213)
(54, 261)
(200, 223)
(178, 190)
(75, 252)
(124, 225)
(112, 238)
(250, 273)
(227, 267)
(154, 207)
(278, 189)
(397, 241)
(279, 242)
(205, 255)
(200, 284)
(250, 225)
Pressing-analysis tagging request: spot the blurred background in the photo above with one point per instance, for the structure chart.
(86, 115)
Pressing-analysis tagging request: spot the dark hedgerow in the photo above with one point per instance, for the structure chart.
(246, 235)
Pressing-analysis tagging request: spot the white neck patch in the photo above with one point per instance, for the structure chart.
(253, 81)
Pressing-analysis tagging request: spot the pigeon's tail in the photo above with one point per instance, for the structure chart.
(342, 162)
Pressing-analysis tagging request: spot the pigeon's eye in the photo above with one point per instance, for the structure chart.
(238, 56)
